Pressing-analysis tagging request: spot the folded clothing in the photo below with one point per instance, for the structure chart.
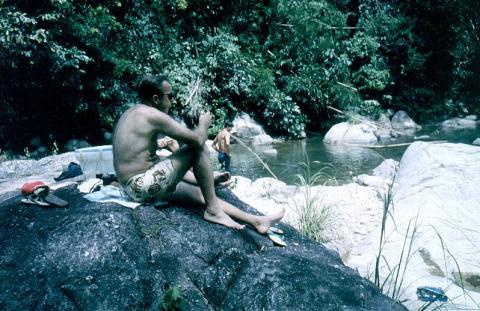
(90, 185)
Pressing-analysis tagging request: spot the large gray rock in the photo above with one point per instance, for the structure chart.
(436, 210)
(386, 169)
(262, 139)
(92, 256)
(245, 127)
(14, 173)
(476, 142)
(74, 144)
(402, 121)
(344, 132)
(459, 123)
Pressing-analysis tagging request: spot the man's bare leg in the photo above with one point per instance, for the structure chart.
(185, 158)
(190, 194)
(219, 178)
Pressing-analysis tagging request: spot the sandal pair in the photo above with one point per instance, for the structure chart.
(36, 192)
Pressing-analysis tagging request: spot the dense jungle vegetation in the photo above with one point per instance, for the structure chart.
(69, 67)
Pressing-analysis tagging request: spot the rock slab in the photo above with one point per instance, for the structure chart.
(95, 256)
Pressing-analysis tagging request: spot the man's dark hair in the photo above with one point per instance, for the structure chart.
(150, 85)
(228, 124)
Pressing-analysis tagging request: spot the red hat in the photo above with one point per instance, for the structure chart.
(36, 187)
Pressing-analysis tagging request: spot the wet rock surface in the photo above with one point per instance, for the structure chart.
(94, 256)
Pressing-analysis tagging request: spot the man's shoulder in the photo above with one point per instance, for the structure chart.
(225, 133)
(147, 111)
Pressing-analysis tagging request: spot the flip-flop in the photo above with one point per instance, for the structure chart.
(35, 201)
(53, 199)
(275, 230)
(277, 239)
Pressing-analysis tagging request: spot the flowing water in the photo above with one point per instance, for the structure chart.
(341, 162)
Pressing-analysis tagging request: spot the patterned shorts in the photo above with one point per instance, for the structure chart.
(156, 183)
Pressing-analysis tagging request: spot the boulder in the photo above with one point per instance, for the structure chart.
(35, 142)
(245, 127)
(386, 169)
(74, 144)
(459, 123)
(372, 181)
(402, 121)
(362, 133)
(351, 211)
(476, 142)
(14, 173)
(436, 212)
(93, 256)
(107, 136)
(40, 152)
(269, 152)
(262, 139)
(384, 127)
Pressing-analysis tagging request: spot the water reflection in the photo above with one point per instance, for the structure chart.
(345, 161)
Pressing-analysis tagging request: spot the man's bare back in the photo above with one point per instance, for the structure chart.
(134, 152)
(222, 141)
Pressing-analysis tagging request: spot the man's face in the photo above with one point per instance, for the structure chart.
(165, 99)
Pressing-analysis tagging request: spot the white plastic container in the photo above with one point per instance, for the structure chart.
(96, 160)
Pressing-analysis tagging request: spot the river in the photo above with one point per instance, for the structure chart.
(339, 162)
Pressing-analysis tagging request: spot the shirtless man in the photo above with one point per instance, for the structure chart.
(221, 144)
(144, 177)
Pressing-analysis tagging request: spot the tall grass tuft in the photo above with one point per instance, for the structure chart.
(396, 273)
(387, 202)
(313, 216)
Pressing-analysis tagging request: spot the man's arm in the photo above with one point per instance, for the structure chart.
(227, 144)
(170, 127)
(214, 144)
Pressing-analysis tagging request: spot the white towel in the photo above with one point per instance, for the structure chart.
(111, 194)
(114, 194)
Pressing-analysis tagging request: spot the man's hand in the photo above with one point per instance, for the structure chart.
(164, 142)
(205, 120)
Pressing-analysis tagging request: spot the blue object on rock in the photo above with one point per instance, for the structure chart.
(427, 293)
(73, 170)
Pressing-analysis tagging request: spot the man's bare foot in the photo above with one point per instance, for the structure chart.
(265, 222)
(224, 184)
(219, 217)
(220, 177)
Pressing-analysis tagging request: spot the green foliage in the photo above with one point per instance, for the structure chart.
(173, 300)
(282, 113)
(72, 66)
(369, 78)
(311, 72)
